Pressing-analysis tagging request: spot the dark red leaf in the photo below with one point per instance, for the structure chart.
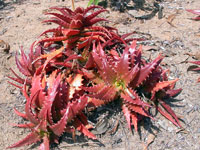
(168, 116)
(170, 111)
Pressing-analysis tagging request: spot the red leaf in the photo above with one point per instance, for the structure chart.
(145, 72)
(28, 125)
(33, 137)
(50, 56)
(167, 115)
(94, 89)
(71, 40)
(83, 118)
(134, 120)
(93, 33)
(75, 24)
(106, 93)
(161, 85)
(30, 116)
(94, 103)
(172, 93)
(170, 111)
(17, 79)
(45, 143)
(65, 18)
(99, 28)
(54, 30)
(53, 39)
(94, 14)
(20, 114)
(139, 110)
(90, 63)
(20, 87)
(64, 10)
(196, 18)
(70, 32)
(80, 127)
(105, 68)
(131, 97)
(123, 66)
(22, 66)
(126, 35)
(59, 22)
(195, 62)
(92, 7)
(72, 110)
(95, 20)
(36, 87)
(194, 11)
(127, 115)
(130, 75)
(83, 44)
(53, 85)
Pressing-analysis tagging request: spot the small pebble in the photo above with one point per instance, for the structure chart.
(3, 31)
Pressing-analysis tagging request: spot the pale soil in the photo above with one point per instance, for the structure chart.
(20, 25)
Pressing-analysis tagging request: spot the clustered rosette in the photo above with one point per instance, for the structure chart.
(82, 66)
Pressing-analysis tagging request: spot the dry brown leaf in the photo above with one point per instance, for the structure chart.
(4, 47)
(74, 136)
(149, 48)
(197, 34)
(195, 56)
(150, 139)
(170, 19)
(114, 129)
(182, 130)
(101, 126)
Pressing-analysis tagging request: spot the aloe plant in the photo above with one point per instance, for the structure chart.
(82, 67)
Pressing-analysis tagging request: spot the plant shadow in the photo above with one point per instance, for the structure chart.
(150, 8)
(9, 4)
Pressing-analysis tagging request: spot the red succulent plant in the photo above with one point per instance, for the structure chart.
(128, 76)
(65, 74)
(54, 101)
(76, 28)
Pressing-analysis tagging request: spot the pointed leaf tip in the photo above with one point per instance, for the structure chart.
(33, 137)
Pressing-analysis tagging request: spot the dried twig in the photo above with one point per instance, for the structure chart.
(170, 19)
(94, 144)
(150, 139)
(73, 6)
(114, 129)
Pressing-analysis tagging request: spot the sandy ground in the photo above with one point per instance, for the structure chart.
(174, 35)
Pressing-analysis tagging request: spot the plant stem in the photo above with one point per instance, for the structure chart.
(73, 7)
